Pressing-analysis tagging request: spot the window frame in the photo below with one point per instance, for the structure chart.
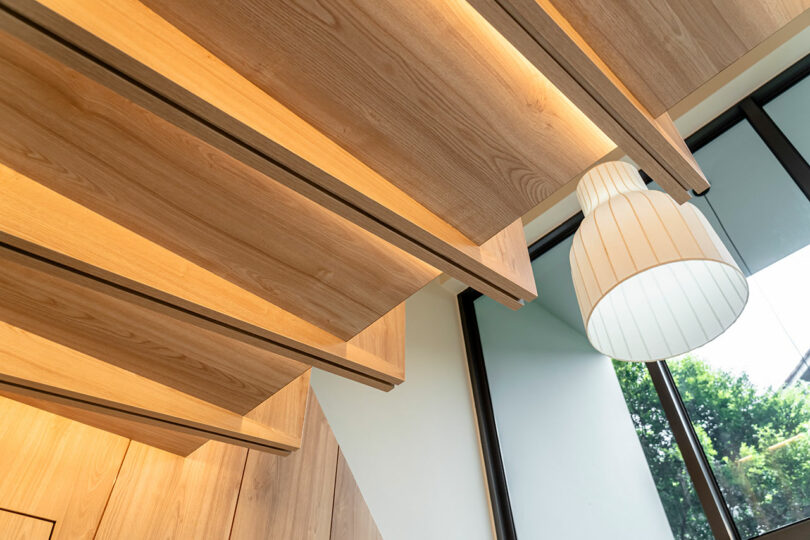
(714, 506)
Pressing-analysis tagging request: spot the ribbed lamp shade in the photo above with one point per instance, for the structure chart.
(652, 278)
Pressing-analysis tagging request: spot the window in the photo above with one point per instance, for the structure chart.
(738, 409)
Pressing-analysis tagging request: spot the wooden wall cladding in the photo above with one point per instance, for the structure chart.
(635, 40)
(56, 469)
(290, 497)
(351, 519)
(21, 527)
(218, 105)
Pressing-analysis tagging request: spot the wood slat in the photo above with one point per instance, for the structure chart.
(351, 519)
(664, 50)
(548, 41)
(95, 147)
(57, 469)
(32, 370)
(420, 91)
(290, 497)
(256, 129)
(105, 322)
(41, 221)
(169, 440)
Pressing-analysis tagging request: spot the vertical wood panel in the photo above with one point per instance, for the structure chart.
(290, 497)
(56, 469)
(162, 496)
(351, 519)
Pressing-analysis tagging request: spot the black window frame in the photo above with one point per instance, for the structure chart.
(717, 512)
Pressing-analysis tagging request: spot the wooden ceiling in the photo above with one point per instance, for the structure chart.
(203, 200)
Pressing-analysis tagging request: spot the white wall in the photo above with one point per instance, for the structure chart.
(414, 451)
(574, 466)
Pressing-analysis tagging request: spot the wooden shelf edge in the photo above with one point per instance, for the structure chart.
(488, 268)
(347, 359)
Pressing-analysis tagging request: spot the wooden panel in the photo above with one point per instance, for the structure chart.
(290, 497)
(134, 40)
(172, 441)
(112, 398)
(39, 220)
(56, 469)
(664, 50)
(92, 317)
(351, 519)
(160, 495)
(21, 527)
(549, 42)
(99, 149)
(420, 91)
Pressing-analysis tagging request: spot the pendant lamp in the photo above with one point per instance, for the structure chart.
(652, 278)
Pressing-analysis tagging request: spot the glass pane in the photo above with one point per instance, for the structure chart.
(748, 397)
(791, 112)
(762, 210)
(681, 504)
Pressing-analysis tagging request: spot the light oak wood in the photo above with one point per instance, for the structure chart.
(351, 519)
(56, 469)
(103, 322)
(664, 50)
(160, 495)
(133, 39)
(21, 527)
(170, 440)
(290, 497)
(97, 148)
(420, 91)
(32, 369)
(41, 221)
(548, 41)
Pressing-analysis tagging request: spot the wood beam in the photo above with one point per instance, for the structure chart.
(547, 40)
(109, 42)
(53, 377)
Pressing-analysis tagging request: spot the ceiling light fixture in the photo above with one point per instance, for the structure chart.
(652, 278)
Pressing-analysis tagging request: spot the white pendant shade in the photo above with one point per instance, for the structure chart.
(652, 278)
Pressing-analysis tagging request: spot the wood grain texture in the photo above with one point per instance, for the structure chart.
(290, 497)
(548, 41)
(420, 91)
(103, 395)
(133, 39)
(160, 495)
(172, 441)
(20, 527)
(99, 149)
(665, 49)
(39, 220)
(93, 318)
(56, 469)
(351, 519)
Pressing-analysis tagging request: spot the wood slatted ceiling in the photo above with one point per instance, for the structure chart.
(34, 367)
(99, 149)
(423, 92)
(662, 50)
(204, 96)
(100, 321)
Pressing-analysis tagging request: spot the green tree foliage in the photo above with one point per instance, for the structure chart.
(758, 443)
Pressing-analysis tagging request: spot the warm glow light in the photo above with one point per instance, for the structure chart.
(652, 278)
